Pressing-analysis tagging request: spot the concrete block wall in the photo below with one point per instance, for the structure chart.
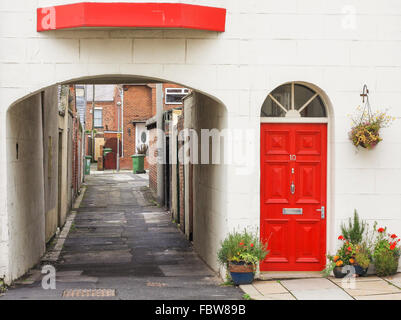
(50, 160)
(25, 186)
(210, 218)
(336, 46)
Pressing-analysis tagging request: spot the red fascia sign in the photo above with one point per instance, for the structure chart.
(131, 15)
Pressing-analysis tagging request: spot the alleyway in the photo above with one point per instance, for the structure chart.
(120, 240)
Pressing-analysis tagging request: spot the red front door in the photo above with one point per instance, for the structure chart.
(293, 196)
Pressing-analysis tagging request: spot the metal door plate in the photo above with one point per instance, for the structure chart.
(292, 211)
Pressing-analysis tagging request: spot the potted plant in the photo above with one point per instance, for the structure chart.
(354, 232)
(362, 262)
(365, 131)
(240, 252)
(386, 253)
(354, 250)
(345, 256)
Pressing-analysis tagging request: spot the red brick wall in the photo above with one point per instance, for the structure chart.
(110, 116)
(137, 107)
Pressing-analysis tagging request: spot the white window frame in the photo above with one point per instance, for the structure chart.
(293, 115)
(167, 92)
(94, 118)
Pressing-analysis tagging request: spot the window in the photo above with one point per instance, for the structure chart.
(293, 100)
(98, 118)
(175, 95)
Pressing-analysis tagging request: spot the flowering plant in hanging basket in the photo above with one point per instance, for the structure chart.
(365, 131)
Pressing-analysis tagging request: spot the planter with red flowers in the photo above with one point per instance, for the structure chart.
(350, 258)
(386, 252)
(240, 252)
(361, 246)
(354, 255)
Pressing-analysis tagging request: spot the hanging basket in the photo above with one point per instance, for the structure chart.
(365, 131)
(365, 136)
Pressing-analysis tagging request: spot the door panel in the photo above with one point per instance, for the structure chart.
(279, 191)
(308, 182)
(308, 142)
(293, 189)
(277, 142)
(279, 250)
(307, 234)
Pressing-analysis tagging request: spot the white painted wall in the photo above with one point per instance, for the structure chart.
(25, 186)
(210, 182)
(336, 45)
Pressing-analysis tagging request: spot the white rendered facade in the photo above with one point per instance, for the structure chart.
(335, 47)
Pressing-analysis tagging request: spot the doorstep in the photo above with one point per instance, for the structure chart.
(286, 275)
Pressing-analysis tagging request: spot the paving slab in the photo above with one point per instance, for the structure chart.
(393, 296)
(251, 291)
(185, 270)
(394, 279)
(395, 283)
(321, 294)
(78, 279)
(98, 257)
(269, 287)
(365, 288)
(308, 284)
(278, 296)
(358, 279)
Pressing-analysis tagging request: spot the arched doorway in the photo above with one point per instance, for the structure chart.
(294, 121)
(28, 141)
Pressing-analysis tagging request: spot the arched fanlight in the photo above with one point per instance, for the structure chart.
(293, 100)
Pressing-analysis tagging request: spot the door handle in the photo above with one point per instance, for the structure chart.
(322, 211)
(292, 188)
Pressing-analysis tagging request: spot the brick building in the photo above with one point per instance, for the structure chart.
(138, 108)
(104, 113)
(135, 104)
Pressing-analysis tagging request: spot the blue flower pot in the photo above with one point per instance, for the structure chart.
(241, 272)
(360, 271)
(242, 277)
